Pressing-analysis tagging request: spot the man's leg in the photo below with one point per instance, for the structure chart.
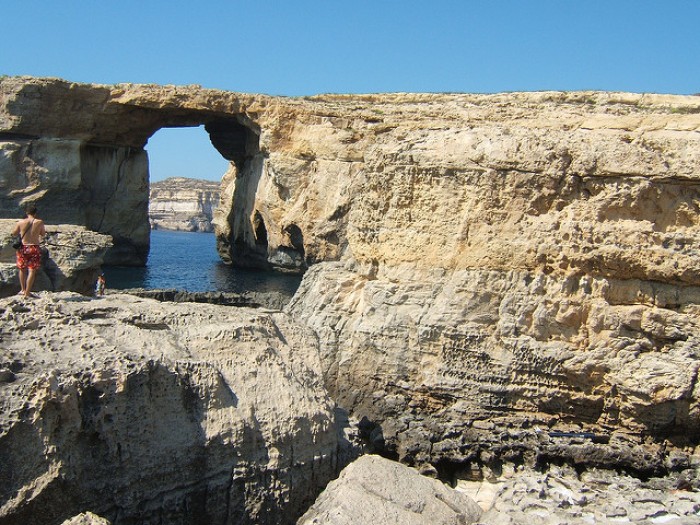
(22, 280)
(30, 281)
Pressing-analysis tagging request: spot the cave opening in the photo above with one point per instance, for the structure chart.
(260, 231)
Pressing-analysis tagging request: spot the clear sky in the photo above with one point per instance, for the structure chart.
(306, 47)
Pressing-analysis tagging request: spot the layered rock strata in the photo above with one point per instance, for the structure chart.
(462, 369)
(493, 279)
(145, 412)
(182, 204)
(72, 260)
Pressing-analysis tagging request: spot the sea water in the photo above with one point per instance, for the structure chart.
(189, 261)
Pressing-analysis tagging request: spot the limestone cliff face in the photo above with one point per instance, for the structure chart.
(183, 204)
(516, 261)
(482, 269)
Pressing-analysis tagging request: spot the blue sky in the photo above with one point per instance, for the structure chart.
(307, 47)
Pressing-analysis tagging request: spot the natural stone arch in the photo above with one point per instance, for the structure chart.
(78, 152)
(100, 179)
(240, 227)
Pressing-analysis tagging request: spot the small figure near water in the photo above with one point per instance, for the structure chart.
(32, 230)
(100, 285)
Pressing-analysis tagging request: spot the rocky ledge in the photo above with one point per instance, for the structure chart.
(123, 410)
(141, 411)
(374, 490)
(271, 300)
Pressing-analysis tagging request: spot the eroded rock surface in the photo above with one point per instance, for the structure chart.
(472, 180)
(143, 411)
(491, 278)
(375, 490)
(560, 496)
(480, 366)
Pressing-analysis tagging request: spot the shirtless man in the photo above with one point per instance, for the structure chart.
(29, 254)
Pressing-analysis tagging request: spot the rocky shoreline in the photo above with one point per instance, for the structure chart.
(142, 352)
(270, 300)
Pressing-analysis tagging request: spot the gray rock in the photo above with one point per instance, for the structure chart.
(375, 490)
(87, 518)
(142, 410)
(272, 300)
(560, 497)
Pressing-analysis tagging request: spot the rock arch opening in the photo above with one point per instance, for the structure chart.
(185, 178)
(247, 234)
(236, 139)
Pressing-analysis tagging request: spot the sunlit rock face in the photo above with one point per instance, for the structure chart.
(183, 204)
(481, 270)
(102, 188)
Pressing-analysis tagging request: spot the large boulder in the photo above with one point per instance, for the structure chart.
(375, 490)
(143, 411)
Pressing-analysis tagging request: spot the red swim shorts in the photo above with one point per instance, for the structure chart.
(29, 256)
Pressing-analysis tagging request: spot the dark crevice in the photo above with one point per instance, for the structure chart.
(260, 231)
(235, 141)
(296, 238)
(8, 136)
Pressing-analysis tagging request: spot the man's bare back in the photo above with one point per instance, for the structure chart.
(33, 233)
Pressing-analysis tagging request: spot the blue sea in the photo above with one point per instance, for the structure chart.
(189, 261)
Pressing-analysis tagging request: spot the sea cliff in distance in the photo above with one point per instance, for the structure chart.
(183, 204)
